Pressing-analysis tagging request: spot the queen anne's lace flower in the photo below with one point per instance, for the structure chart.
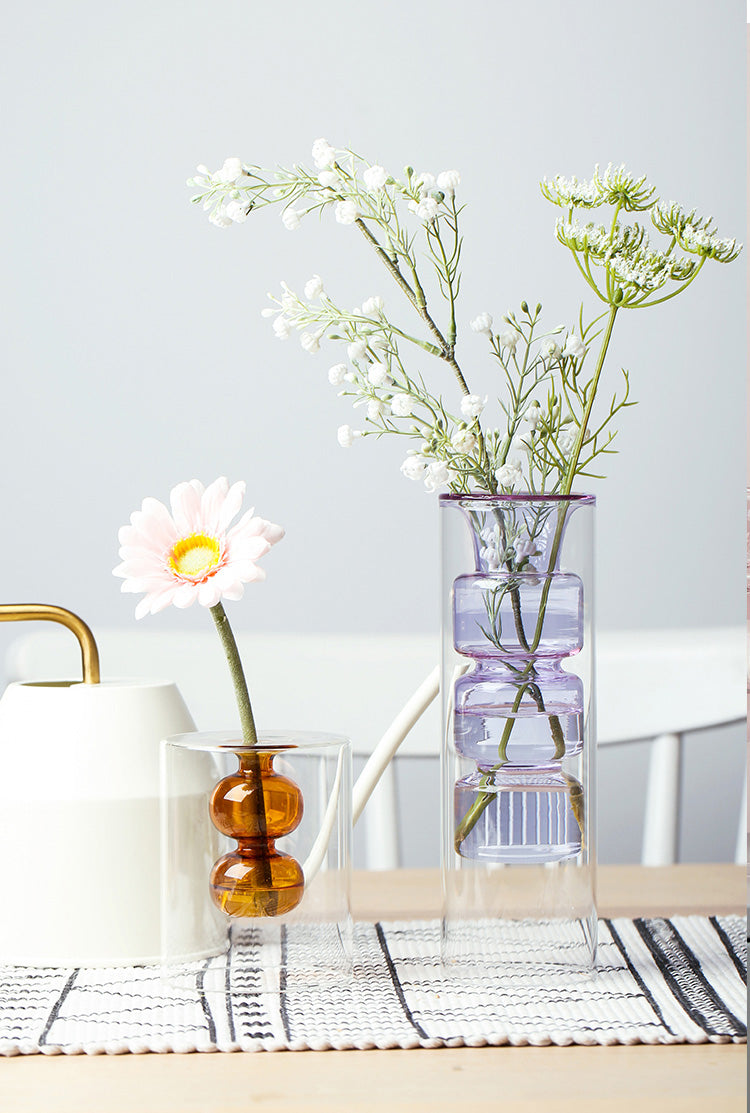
(193, 554)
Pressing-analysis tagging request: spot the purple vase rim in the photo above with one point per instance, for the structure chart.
(519, 499)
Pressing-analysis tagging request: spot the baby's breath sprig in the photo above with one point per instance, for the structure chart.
(549, 435)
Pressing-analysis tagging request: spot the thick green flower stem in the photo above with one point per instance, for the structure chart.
(249, 735)
(483, 800)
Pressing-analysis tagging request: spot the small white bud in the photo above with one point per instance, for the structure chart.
(345, 436)
(482, 323)
(472, 405)
(347, 212)
(290, 219)
(401, 405)
(377, 373)
(447, 181)
(374, 178)
(314, 287)
(337, 374)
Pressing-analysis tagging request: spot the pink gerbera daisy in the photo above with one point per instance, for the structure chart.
(192, 554)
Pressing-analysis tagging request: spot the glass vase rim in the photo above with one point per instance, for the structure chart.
(269, 741)
(455, 499)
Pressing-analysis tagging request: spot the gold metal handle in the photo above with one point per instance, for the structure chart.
(45, 612)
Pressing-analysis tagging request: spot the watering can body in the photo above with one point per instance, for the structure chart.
(79, 820)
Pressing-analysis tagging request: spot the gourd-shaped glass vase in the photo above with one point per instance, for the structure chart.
(256, 806)
(518, 744)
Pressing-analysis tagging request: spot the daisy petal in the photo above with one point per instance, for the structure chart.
(185, 500)
(211, 503)
(232, 504)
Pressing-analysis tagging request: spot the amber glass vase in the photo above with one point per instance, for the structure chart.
(256, 839)
(256, 806)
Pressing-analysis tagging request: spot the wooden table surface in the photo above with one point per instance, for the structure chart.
(709, 1078)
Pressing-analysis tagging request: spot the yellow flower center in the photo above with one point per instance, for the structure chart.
(195, 556)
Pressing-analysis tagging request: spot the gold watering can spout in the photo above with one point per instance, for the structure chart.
(45, 612)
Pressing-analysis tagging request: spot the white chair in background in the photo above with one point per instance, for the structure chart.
(660, 685)
(651, 685)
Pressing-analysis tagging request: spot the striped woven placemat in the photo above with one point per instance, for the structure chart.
(657, 981)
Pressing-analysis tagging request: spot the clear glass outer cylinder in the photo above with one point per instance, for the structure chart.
(210, 892)
(518, 755)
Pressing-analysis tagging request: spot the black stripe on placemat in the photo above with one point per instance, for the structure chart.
(637, 977)
(282, 985)
(199, 980)
(396, 983)
(57, 1006)
(727, 944)
(228, 990)
(680, 987)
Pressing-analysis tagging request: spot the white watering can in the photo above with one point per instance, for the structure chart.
(79, 808)
(79, 811)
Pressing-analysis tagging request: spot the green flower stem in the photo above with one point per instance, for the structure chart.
(249, 735)
(250, 761)
(446, 351)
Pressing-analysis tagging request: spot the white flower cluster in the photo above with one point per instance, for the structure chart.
(431, 191)
(626, 253)
(614, 186)
(225, 201)
(434, 473)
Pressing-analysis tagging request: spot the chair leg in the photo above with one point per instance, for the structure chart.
(661, 827)
(381, 824)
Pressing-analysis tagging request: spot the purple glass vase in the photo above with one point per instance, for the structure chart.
(518, 743)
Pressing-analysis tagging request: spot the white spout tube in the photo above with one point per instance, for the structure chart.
(392, 739)
(375, 765)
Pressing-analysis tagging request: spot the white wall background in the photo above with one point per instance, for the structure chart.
(133, 350)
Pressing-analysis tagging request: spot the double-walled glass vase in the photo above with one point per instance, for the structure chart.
(518, 755)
